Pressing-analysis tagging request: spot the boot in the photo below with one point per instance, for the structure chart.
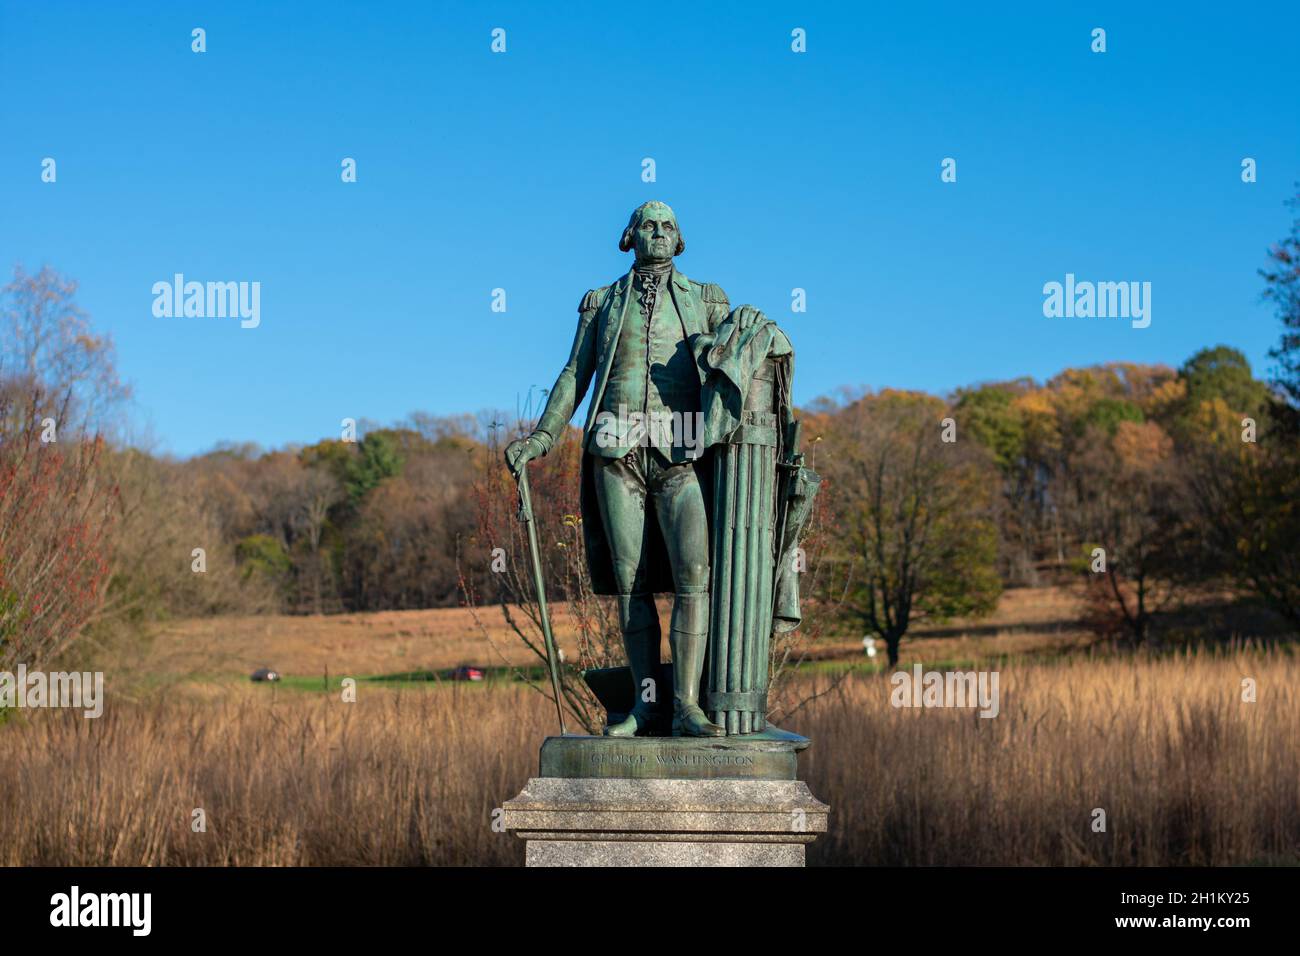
(688, 664)
(642, 646)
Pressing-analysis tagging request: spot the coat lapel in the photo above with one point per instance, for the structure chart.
(619, 298)
(688, 305)
(611, 323)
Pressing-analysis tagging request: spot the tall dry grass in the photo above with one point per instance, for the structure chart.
(397, 778)
(1186, 772)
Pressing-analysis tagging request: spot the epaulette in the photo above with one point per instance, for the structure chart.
(713, 293)
(592, 299)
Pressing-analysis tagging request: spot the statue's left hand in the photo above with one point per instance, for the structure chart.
(746, 316)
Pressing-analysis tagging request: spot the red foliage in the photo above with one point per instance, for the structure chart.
(56, 516)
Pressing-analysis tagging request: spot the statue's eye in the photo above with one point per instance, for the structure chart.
(668, 227)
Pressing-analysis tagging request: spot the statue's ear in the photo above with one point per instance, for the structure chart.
(681, 244)
(625, 244)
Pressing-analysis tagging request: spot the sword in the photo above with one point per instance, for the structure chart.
(526, 516)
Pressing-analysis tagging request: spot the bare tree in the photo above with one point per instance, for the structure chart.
(50, 353)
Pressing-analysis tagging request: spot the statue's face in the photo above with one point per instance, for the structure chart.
(656, 235)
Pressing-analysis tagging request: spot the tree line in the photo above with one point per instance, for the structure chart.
(1142, 484)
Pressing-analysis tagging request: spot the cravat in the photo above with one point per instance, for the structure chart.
(649, 292)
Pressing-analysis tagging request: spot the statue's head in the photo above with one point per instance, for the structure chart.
(652, 232)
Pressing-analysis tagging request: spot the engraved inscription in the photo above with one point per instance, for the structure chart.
(673, 758)
(683, 758)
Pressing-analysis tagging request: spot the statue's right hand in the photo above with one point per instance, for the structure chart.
(520, 452)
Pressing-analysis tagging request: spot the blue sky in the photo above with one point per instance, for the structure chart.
(518, 170)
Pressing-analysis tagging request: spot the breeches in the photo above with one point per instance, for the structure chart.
(639, 488)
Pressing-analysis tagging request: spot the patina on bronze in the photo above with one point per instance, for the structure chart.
(690, 463)
(768, 755)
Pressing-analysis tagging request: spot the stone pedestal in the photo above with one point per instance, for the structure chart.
(648, 801)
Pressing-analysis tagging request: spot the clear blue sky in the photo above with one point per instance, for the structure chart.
(478, 171)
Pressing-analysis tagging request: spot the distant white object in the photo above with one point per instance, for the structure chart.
(560, 653)
(869, 646)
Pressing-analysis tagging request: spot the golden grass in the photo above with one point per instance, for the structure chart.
(1026, 621)
(285, 778)
(1187, 772)
(382, 642)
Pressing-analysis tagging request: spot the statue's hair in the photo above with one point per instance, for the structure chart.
(626, 243)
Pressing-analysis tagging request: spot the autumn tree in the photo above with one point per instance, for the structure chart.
(912, 515)
(58, 389)
(1221, 374)
(1130, 511)
(1242, 448)
(401, 543)
(994, 417)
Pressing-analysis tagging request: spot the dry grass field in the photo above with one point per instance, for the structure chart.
(1186, 771)
(1027, 621)
(383, 642)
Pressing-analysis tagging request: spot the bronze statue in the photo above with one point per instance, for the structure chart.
(690, 450)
